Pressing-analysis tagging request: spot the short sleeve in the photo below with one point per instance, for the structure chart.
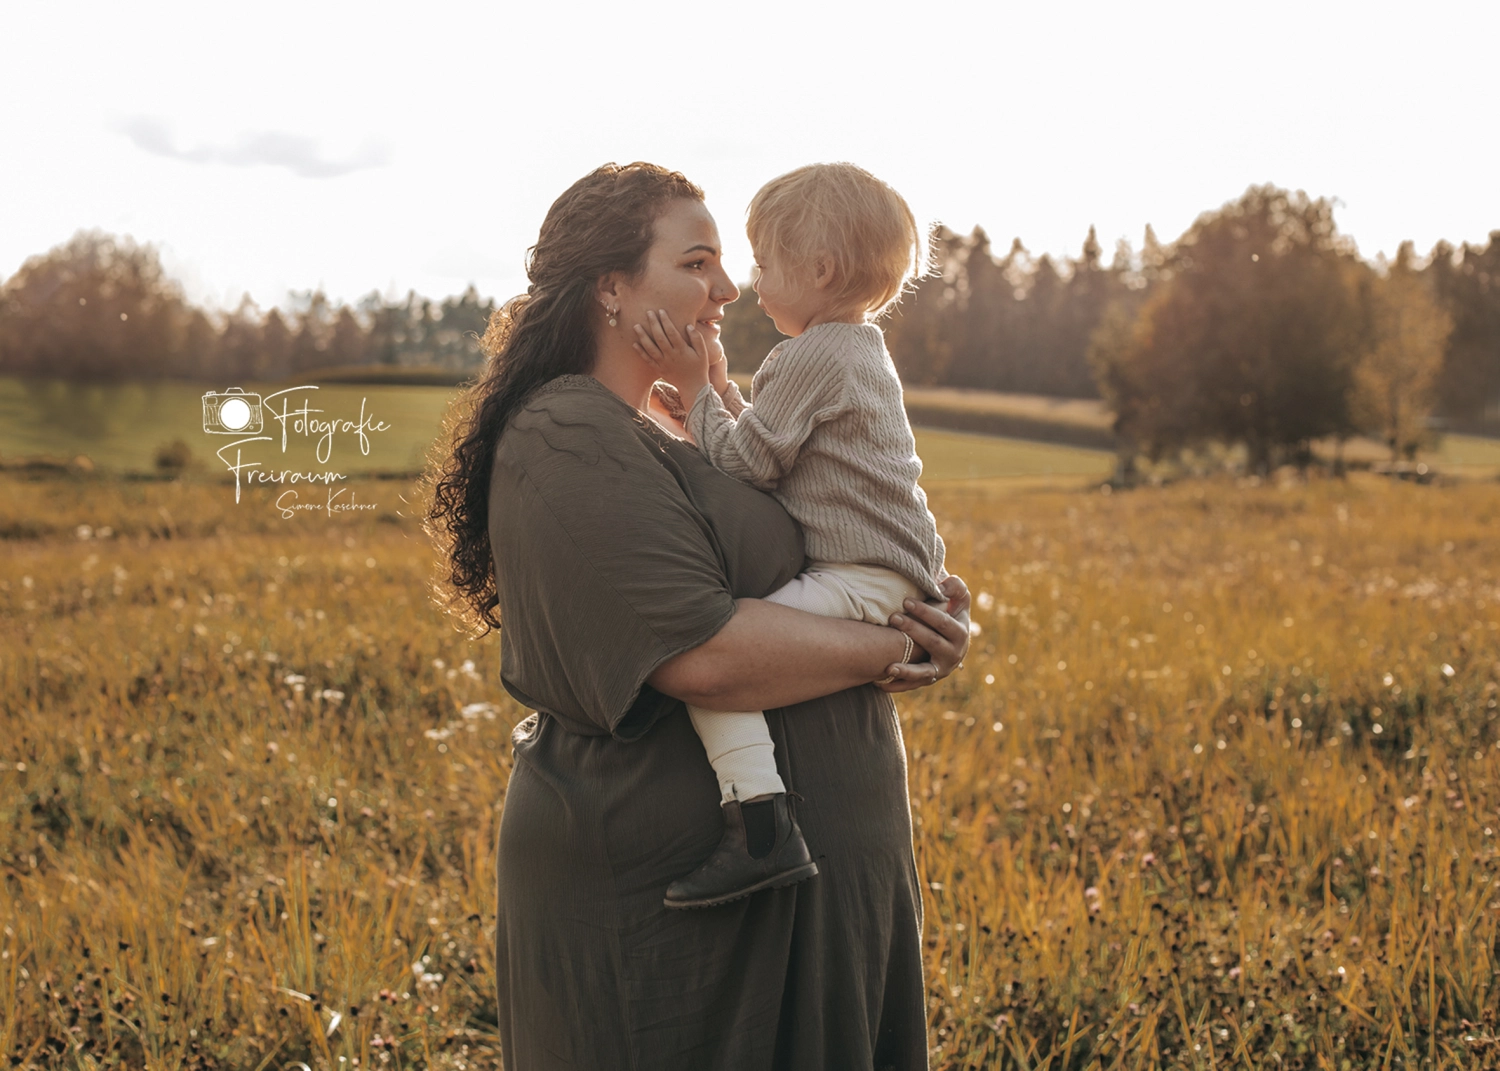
(604, 568)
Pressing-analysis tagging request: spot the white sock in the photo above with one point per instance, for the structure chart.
(740, 750)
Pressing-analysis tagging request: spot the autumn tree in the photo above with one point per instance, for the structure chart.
(1251, 337)
(1397, 372)
(96, 308)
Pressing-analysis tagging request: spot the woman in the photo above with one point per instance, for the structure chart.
(627, 572)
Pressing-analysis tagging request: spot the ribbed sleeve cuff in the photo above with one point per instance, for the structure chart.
(705, 408)
(733, 400)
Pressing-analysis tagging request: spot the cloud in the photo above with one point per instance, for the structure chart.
(299, 155)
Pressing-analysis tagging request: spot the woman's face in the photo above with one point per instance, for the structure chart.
(683, 274)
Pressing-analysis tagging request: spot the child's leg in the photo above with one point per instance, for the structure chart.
(762, 846)
(740, 751)
(738, 743)
(853, 592)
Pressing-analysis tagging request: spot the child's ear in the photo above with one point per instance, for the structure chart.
(825, 271)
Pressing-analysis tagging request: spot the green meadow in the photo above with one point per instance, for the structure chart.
(119, 428)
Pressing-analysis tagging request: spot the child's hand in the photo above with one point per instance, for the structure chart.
(682, 363)
(718, 368)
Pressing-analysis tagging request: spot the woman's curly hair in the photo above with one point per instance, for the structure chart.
(603, 223)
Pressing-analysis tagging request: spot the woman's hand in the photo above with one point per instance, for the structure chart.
(684, 363)
(944, 636)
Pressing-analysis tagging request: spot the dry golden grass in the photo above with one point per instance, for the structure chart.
(1217, 787)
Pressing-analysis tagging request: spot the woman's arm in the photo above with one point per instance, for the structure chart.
(771, 656)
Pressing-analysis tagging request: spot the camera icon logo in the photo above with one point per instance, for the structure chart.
(232, 413)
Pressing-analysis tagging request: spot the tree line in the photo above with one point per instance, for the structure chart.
(1259, 326)
(100, 308)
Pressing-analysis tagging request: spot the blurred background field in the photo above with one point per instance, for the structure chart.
(122, 427)
(1217, 786)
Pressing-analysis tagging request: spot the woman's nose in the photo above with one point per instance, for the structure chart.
(724, 289)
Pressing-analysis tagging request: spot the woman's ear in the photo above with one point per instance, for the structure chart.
(607, 289)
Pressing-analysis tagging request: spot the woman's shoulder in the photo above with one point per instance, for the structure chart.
(573, 396)
(570, 411)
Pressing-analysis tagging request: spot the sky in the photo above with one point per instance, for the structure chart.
(269, 148)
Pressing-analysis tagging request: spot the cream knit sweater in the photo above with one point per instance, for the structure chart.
(828, 436)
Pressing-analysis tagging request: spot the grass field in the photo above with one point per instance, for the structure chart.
(960, 435)
(949, 456)
(120, 427)
(1218, 786)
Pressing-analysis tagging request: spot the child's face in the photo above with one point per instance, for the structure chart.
(790, 299)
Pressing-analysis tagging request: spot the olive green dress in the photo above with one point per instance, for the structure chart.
(617, 547)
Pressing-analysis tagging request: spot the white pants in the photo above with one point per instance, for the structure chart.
(737, 741)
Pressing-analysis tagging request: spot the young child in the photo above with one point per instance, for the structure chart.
(827, 434)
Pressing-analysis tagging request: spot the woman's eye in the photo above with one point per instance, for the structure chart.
(696, 264)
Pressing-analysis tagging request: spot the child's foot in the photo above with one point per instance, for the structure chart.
(762, 848)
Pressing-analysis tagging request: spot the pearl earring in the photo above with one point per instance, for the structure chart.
(613, 313)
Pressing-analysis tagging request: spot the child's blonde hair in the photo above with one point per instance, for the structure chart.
(847, 214)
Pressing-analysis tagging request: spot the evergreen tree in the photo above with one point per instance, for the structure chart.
(986, 348)
(922, 331)
(274, 359)
(239, 345)
(1467, 283)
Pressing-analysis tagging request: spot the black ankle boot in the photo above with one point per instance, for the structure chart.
(780, 856)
